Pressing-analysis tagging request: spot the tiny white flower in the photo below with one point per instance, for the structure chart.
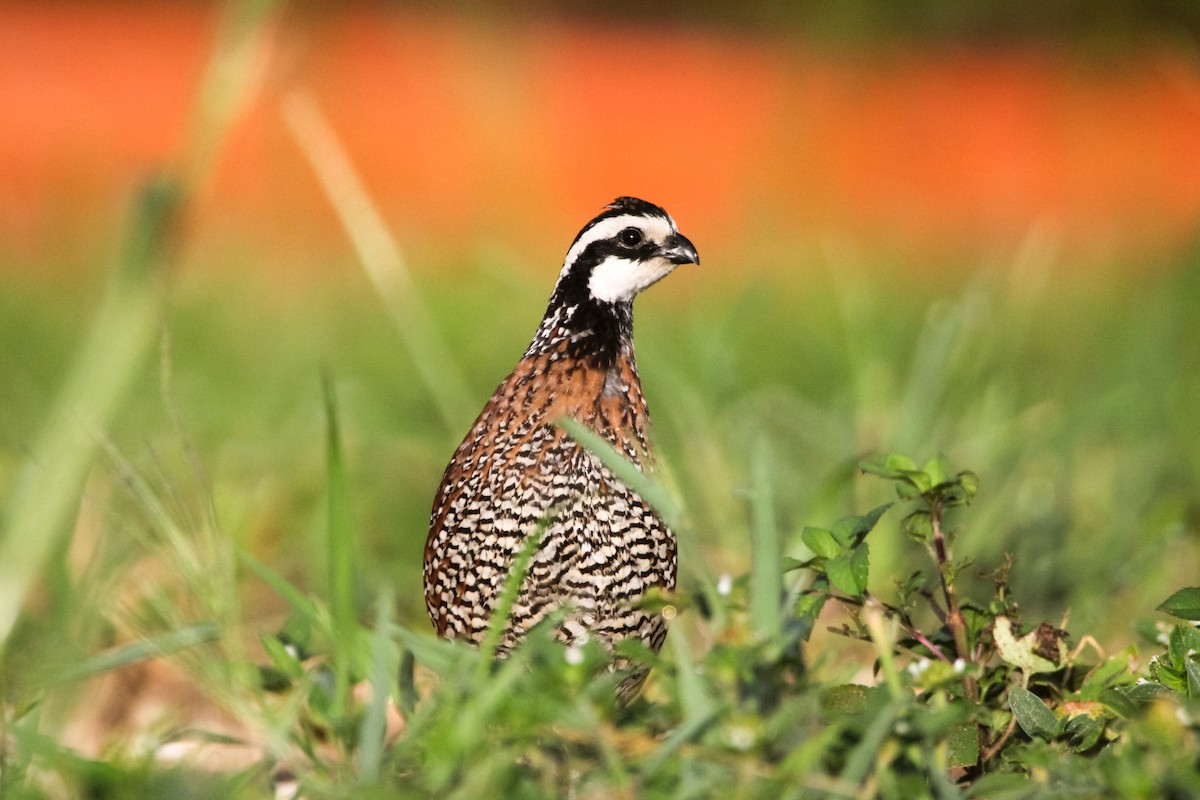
(960, 665)
(725, 585)
(741, 737)
(574, 655)
(918, 667)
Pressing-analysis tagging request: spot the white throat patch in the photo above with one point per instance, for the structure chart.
(617, 280)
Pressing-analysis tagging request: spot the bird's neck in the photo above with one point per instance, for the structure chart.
(596, 333)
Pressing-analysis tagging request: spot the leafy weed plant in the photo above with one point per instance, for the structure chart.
(965, 702)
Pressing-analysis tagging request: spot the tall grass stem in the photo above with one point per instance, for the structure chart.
(380, 256)
(340, 544)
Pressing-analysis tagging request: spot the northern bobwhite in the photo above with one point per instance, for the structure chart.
(602, 546)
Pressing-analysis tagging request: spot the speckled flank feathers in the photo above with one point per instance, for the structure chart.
(602, 546)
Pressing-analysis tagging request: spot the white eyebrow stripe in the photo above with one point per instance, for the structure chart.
(657, 228)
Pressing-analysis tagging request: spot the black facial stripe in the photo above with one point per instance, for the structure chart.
(600, 250)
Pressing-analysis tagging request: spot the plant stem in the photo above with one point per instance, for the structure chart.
(933, 648)
(991, 752)
(954, 617)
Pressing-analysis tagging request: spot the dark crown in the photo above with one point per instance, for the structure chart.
(633, 205)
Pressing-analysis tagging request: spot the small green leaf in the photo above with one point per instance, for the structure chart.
(1190, 636)
(962, 745)
(848, 571)
(951, 494)
(918, 526)
(1114, 670)
(1192, 665)
(851, 530)
(1170, 677)
(1032, 714)
(1177, 647)
(860, 565)
(844, 700)
(891, 466)
(820, 541)
(1119, 700)
(1146, 692)
(936, 470)
(906, 591)
(789, 564)
(838, 570)
(1084, 731)
(1184, 604)
(918, 480)
(969, 482)
(976, 620)
(808, 608)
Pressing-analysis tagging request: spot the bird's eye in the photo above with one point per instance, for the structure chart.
(630, 237)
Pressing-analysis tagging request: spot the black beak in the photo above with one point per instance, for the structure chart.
(678, 250)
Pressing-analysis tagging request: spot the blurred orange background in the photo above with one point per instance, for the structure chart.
(486, 129)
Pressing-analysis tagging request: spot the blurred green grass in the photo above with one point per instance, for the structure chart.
(1071, 392)
(1073, 395)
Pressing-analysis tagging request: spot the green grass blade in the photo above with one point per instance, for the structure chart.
(340, 542)
(38, 512)
(661, 500)
(407, 694)
(380, 257)
(300, 604)
(440, 655)
(382, 667)
(508, 596)
(698, 706)
(41, 508)
(697, 702)
(882, 639)
(766, 571)
(137, 652)
(863, 756)
(645, 485)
